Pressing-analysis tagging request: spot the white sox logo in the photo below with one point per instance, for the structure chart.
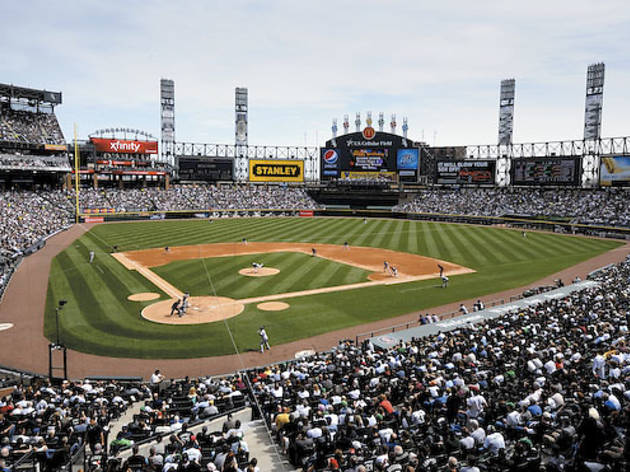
(118, 146)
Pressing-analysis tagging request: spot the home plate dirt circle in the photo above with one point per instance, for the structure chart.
(272, 306)
(201, 310)
(262, 272)
(143, 297)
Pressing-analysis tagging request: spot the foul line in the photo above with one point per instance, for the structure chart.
(148, 274)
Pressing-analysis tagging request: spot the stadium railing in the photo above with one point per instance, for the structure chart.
(410, 324)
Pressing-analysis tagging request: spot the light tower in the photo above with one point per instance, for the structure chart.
(167, 118)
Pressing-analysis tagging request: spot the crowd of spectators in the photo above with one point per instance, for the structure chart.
(225, 197)
(53, 422)
(29, 127)
(172, 416)
(548, 386)
(20, 162)
(600, 207)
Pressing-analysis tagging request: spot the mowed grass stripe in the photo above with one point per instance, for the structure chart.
(457, 250)
(507, 253)
(465, 240)
(570, 243)
(430, 242)
(396, 239)
(412, 236)
(328, 231)
(292, 232)
(536, 247)
(476, 236)
(380, 238)
(531, 246)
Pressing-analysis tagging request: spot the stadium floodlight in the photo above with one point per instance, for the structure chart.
(506, 111)
(381, 121)
(334, 128)
(357, 122)
(594, 101)
(392, 123)
(346, 124)
(167, 119)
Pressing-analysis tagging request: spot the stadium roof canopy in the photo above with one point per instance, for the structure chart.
(42, 96)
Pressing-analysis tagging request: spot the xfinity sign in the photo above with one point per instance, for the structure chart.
(124, 146)
(120, 146)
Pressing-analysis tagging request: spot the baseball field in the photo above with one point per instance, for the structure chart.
(292, 293)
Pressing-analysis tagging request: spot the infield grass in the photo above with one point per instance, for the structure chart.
(219, 275)
(99, 319)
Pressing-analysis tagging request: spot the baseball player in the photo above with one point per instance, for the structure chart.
(264, 340)
(256, 266)
(91, 256)
(314, 251)
(166, 249)
(444, 281)
(385, 266)
(524, 234)
(346, 246)
(364, 221)
(394, 271)
(441, 270)
(244, 241)
(185, 304)
(175, 307)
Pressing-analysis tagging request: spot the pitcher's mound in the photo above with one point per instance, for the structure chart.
(272, 306)
(200, 310)
(263, 272)
(143, 297)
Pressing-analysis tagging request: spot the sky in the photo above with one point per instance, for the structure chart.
(304, 63)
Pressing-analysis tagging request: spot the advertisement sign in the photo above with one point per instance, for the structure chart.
(307, 213)
(615, 171)
(124, 146)
(330, 158)
(93, 219)
(276, 170)
(55, 147)
(98, 211)
(379, 176)
(407, 159)
(545, 171)
(465, 172)
(369, 132)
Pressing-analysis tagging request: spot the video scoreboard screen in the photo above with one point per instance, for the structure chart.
(209, 170)
(545, 171)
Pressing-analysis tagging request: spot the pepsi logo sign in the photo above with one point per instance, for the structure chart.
(369, 132)
(331, 157)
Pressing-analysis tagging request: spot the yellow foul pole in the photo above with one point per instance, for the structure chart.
(76, 176)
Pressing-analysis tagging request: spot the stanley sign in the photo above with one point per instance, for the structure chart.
(276, 170)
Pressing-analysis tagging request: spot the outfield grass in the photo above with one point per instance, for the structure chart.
(219, 275)
(99, 319)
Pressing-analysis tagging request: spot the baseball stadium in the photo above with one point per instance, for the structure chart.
(371, 303)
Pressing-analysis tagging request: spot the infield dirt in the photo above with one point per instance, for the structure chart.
(206, 309)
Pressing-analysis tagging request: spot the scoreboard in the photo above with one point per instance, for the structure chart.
(209, 170)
